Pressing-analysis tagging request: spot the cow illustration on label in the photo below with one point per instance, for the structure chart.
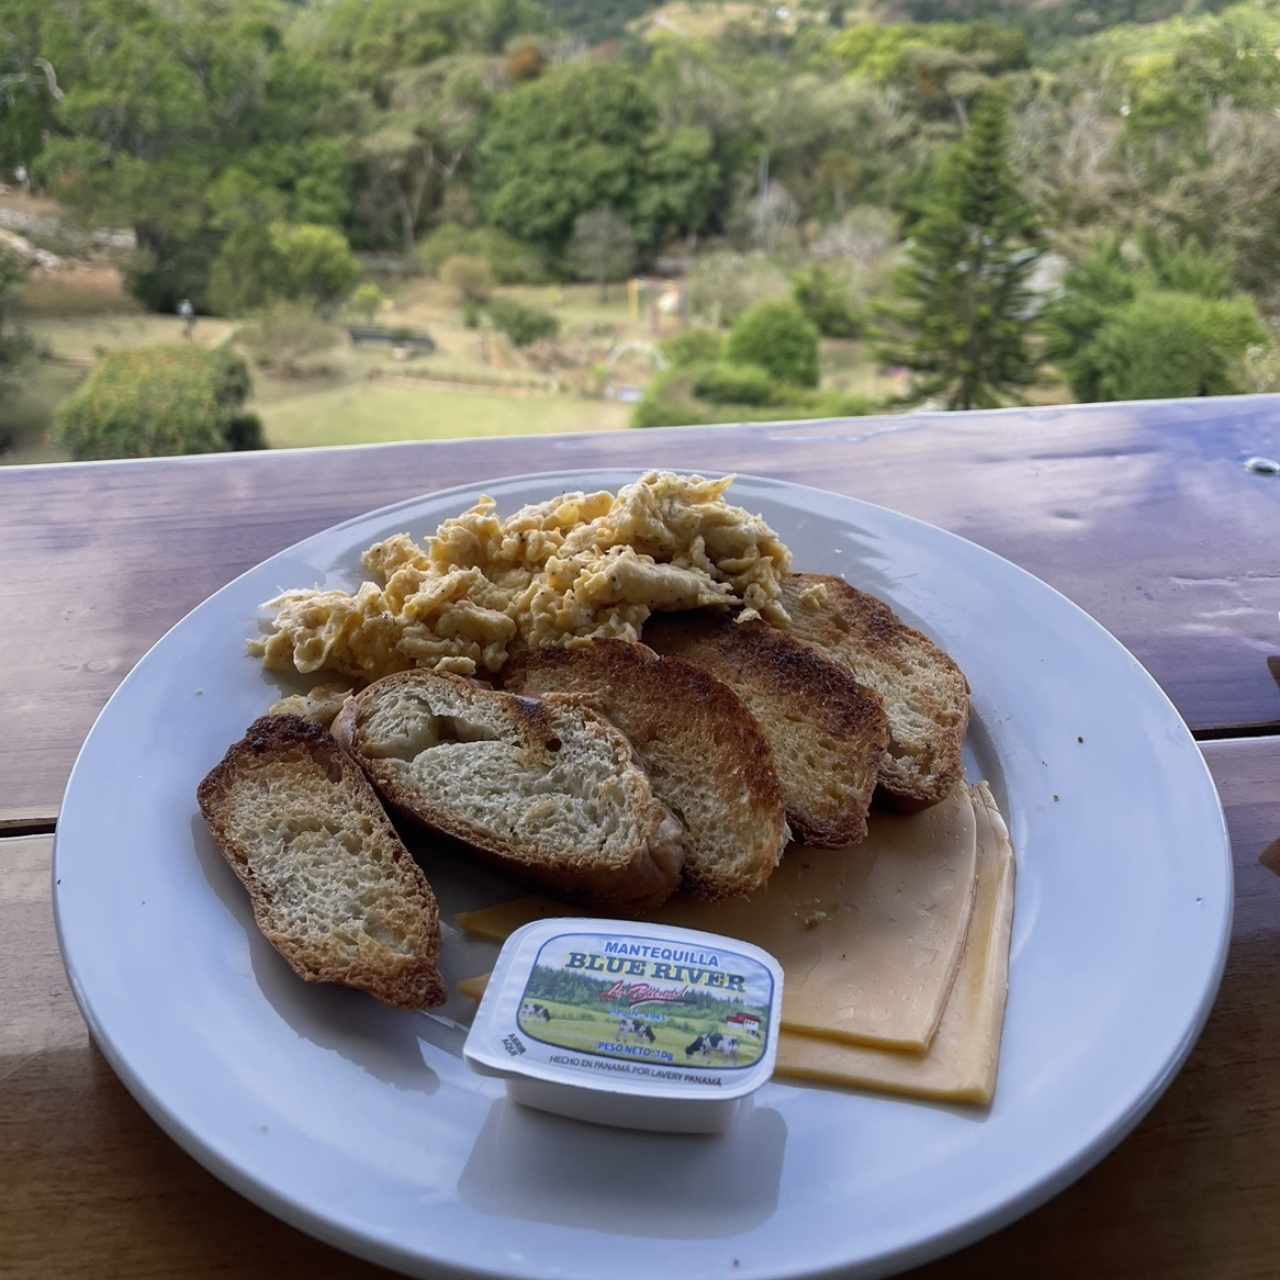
(648, 1001)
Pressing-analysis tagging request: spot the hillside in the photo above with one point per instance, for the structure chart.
(586, 205)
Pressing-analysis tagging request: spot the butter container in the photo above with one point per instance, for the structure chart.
(624, 1023)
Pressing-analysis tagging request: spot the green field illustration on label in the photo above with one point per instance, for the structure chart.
(651, 1000)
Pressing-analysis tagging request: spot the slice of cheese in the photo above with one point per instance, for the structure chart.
(869, 937)
(962, 1062)
(472, 988)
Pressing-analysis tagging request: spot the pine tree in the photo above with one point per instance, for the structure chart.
(966, 305)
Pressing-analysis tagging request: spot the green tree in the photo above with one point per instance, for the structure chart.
(160, 100)
(522, 325)
(29, 88)
(693, 346)
(1108, 280)
(732, 384)
(378, 38)
(602, 248)
(315, 263)
(944, 65)
(965, 301)
(825, 299)
(778, 338)
(1175, 344)
(582, 137)
(14, 346)
(416, 144)
(1103, 281)
(366, 301)
(510, 261)
(158, 401)
(298, 263)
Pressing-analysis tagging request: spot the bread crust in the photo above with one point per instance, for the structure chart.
(828, 733)
(680, 720)
(642, 884)
(406, 979)
(867, 637)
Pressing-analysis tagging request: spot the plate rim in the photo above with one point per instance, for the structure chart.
(942, 1241)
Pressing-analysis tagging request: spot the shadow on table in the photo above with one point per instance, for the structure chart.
(544, 1168)
(380, 1040)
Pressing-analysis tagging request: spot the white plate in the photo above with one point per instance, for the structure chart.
(361, 1124)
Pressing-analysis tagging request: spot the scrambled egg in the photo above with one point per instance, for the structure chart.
(576, 568)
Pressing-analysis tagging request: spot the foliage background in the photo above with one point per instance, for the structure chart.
(262, 155)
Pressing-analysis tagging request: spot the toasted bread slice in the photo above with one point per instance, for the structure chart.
(828, 733)
(546, 788)
(702, 748)
(925, 694)
(333, 888)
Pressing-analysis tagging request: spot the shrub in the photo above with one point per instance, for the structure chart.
(778, 338)
(693, 346)
(286, 337)
(15, 346)
(661, 408)
(1174, 344)
(232, 385)
(445, 242)
(314, 262)
(523, 325)
(157, 401)
(301, 262)
(510, 261)
(673, 400)
(732, 384)
(469, 277)
(366, 302)
(245, 275)
(1088, 339)
(826, 302)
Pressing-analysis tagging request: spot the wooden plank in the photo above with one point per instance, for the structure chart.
(1192, 1193)
(1141, 513)
(89, 1186)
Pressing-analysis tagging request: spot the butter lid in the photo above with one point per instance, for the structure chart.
(599, 1009)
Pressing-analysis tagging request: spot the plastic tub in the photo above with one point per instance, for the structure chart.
(631, 1024)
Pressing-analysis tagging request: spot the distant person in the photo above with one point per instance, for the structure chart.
(188, 314)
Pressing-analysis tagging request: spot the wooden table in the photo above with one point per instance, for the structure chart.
(1144, 514)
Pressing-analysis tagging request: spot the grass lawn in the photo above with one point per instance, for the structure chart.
(373, 413)
(347, 408)
(595, 1030)
(363, 395)
(78, 316)
(85, 337)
